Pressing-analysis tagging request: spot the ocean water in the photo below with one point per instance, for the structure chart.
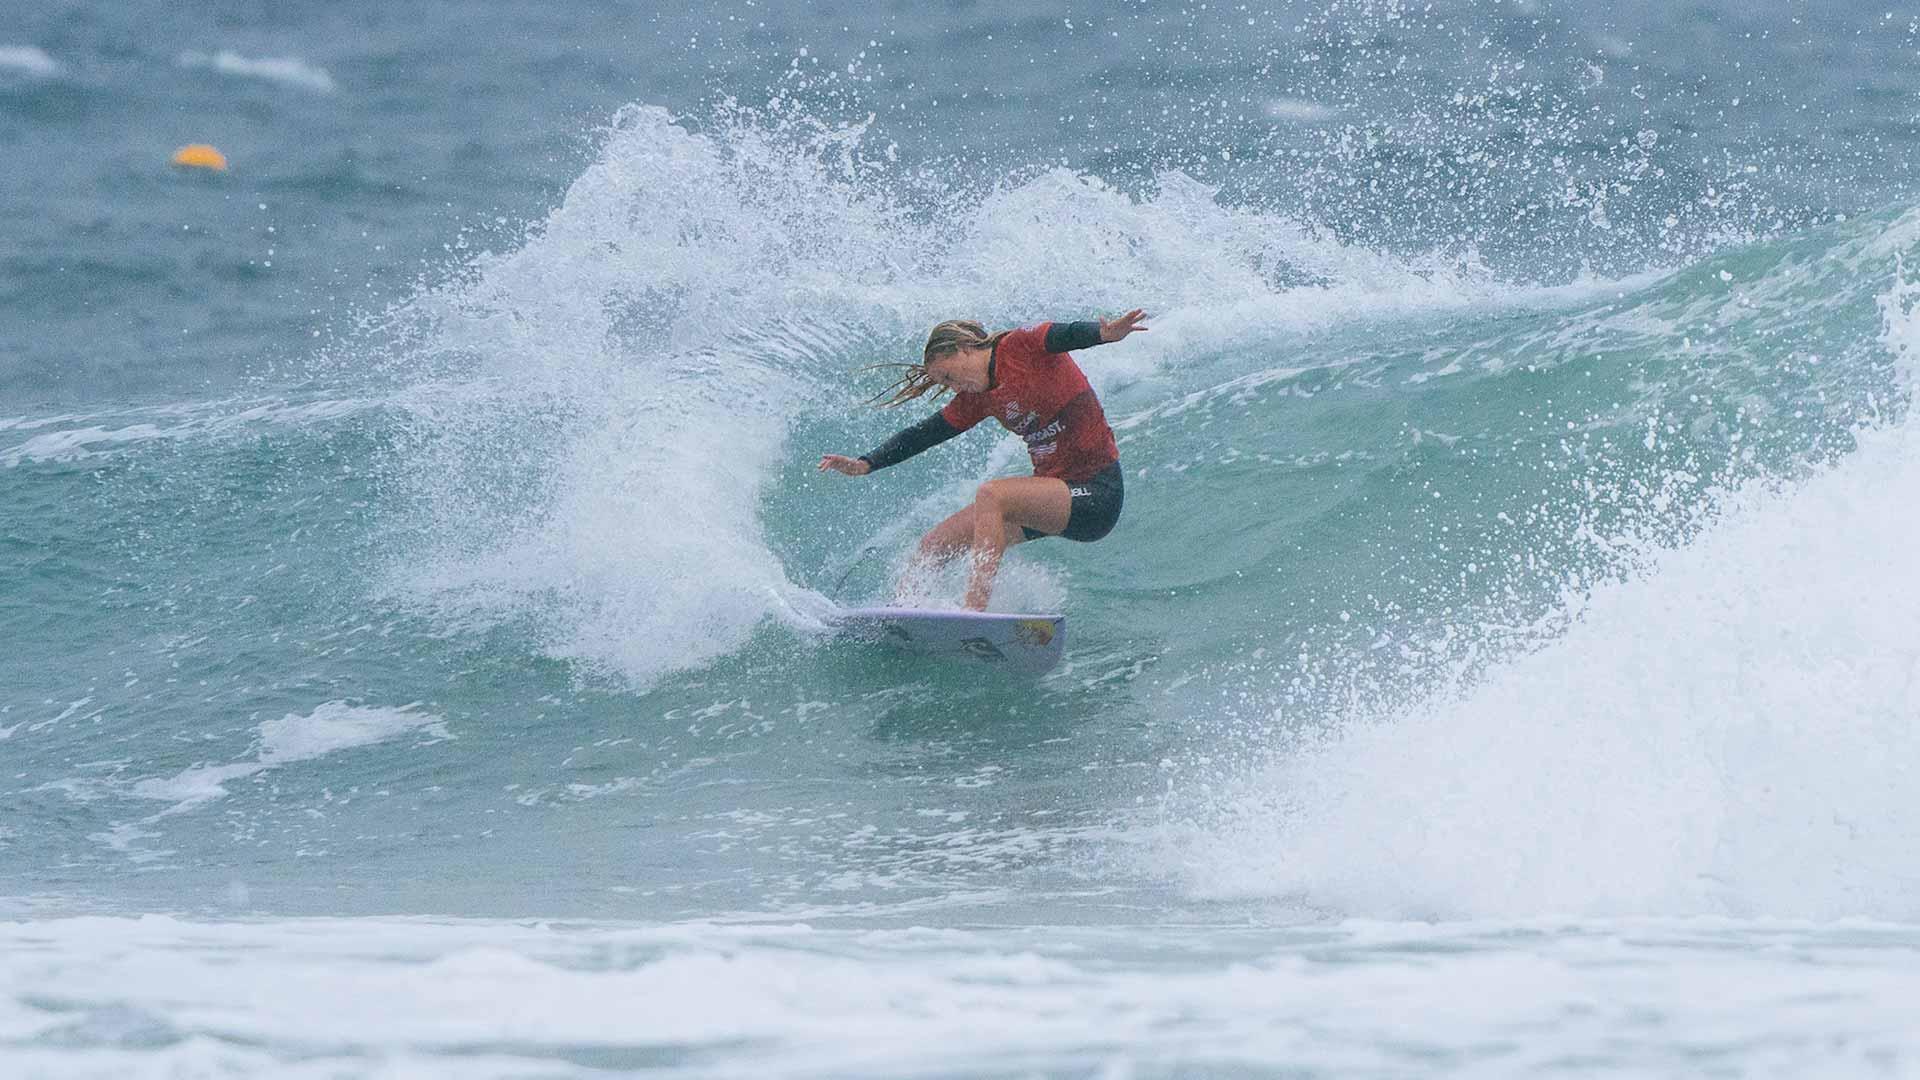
(412, 556)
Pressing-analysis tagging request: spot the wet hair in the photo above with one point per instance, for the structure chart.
(944, 340)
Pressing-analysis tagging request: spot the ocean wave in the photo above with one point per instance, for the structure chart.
(1727, 728)
(602, 408)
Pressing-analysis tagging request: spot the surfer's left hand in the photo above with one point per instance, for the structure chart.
(839, 463)
(1115, 329)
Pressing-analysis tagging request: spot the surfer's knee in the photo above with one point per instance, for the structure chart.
(987, 497)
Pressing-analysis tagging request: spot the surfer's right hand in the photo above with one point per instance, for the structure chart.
(852, 466)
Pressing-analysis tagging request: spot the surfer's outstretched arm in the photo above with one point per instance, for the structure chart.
(924, 435)
(1073, 336)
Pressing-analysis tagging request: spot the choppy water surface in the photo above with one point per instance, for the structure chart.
(1506, 662)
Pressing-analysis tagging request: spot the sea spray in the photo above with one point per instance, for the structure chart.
(596, 416)
(1720, 724)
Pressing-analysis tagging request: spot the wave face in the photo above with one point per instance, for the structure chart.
(1723, 725)
(1515, 468)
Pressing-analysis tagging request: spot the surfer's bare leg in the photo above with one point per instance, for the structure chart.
(954, 536)
(943, 542)
(1000, 509)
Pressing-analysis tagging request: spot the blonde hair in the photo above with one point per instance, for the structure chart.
(944, 340)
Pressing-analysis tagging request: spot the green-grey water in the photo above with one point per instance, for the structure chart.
(414, 558)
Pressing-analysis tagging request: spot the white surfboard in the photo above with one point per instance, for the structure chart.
(1026, 644)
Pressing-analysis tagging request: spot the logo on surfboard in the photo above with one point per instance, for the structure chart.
(1037, 633)
(981, 649)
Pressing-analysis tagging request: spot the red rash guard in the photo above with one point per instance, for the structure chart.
(1044, 398)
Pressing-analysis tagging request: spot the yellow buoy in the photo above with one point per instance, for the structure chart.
(200, 156)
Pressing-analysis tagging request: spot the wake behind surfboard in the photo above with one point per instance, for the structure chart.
(1026, 644)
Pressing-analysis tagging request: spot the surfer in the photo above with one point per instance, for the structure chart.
(1026, 380)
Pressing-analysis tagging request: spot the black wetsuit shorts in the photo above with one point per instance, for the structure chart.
(1096, 507)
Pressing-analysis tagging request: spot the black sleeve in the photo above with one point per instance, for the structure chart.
(926, 434)
(1066, 337)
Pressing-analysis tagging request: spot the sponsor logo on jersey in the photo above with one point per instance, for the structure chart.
(1041, 441)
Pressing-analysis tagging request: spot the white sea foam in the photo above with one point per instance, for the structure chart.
(29, 423)
(159, 996)
(331, 727)
(72, 444)
(1298, 110)
(286, 70)
(1735, 730)
(82, 437)
(28, 59)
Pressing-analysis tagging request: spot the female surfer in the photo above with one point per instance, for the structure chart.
(1026, 380)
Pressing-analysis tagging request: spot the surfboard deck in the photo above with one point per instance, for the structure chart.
(1027, 644)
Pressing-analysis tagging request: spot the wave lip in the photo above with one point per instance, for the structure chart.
(285, 70)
